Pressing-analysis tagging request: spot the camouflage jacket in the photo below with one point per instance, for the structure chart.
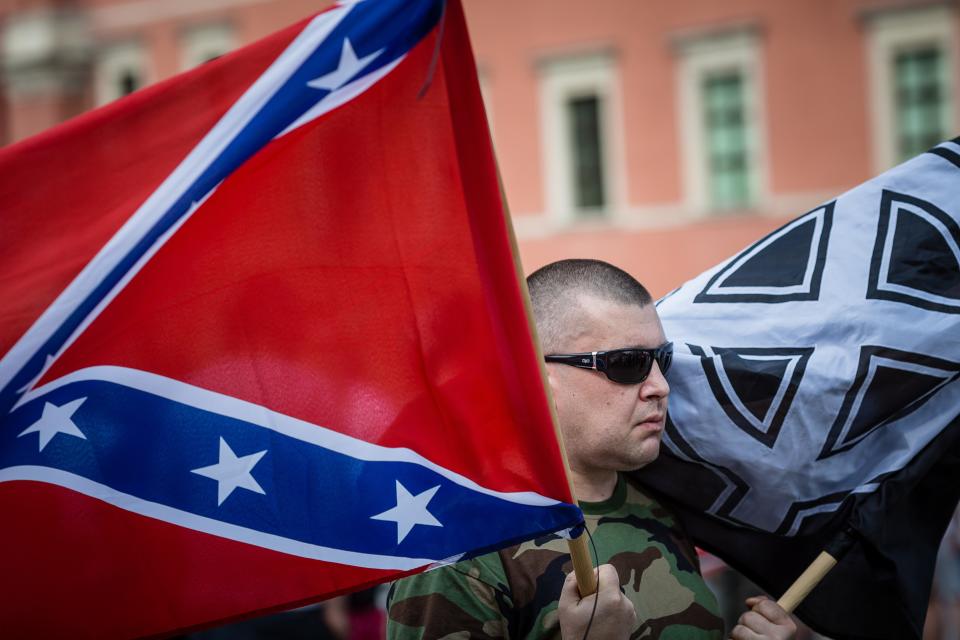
(514, 593)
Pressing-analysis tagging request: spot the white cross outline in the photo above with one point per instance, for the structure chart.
(883, 284)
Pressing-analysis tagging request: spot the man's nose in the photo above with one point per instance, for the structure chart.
(655, 386)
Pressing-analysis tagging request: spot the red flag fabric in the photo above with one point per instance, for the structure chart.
(264, 337)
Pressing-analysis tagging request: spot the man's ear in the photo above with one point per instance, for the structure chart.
(554, 383)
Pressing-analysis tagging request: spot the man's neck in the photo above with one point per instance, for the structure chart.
(595, 485)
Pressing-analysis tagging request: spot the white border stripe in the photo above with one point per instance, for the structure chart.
(237, 409)
(803, 514)
(950, 145)
(171, 190)
(760, 425)
(883, 282)
(192, 521)
(818, 216)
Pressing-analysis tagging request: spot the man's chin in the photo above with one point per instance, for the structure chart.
(642, 456)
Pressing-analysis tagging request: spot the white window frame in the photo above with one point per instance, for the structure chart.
(44, 51)
(561, 79)
(199, 42)
(893, 31)
(112, 60)
(737, 50)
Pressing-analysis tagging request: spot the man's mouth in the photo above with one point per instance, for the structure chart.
(655, 420)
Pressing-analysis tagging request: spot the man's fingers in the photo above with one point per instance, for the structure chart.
(614, 617)
(766, 619)
(772, 611)
(608, 583)
(628, 610)
(570, 591)
(756, 622)
(741, 632)
(753, 600)
(606, 580)
(607, 577)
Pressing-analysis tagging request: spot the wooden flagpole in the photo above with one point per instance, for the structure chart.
(818, 569)
(810, 578)
(579, 552)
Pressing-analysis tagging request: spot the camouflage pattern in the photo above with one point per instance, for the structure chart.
(514, 593)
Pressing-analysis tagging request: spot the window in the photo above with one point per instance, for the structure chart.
(580, 116)
(911, 94)
(726, 136)
(128, 81)
(920, 99)
(205, 43)
(719, 76)
(583, 118)
(121, 69)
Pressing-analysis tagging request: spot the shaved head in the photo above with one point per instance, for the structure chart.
(559, 291)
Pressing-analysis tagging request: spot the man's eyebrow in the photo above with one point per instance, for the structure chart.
(640, 346)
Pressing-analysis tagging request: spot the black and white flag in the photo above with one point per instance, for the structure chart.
(815, 389)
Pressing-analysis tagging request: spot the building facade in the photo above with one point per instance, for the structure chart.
(662, 136)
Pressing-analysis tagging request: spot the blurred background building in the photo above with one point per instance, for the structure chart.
(660, 135)
(663, 135)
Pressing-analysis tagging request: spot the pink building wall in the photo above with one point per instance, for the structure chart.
(815, 95)
(814, 73)
(662, 259)
(816, 98)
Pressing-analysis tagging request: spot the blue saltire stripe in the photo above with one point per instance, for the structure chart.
(147, 446)
(393, 26)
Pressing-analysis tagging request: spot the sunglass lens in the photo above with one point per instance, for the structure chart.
(666, 359)
(628, 366)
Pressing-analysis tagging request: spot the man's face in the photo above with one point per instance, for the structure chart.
(606, 425)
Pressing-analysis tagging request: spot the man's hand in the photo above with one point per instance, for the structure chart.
(765, 620)
(615, 617)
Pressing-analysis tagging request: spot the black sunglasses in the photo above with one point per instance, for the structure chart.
(626, 366)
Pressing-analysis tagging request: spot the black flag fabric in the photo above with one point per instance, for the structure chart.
(815, 397)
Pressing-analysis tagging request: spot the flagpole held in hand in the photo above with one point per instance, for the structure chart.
(817, 570)
(579, 553)
(583, 565)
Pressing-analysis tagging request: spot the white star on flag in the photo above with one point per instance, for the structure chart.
(56, 420)
(232, 472)
(348, 67)
(410, 511)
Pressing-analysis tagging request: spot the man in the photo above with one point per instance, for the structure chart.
(606, 355)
